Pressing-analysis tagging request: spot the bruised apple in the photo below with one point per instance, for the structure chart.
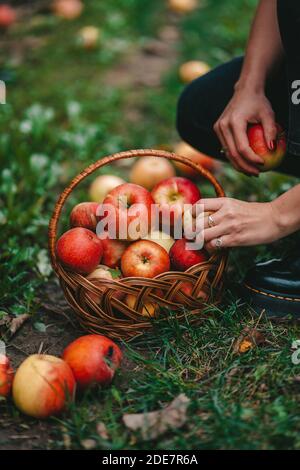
(185, 150)
(84, 215)
(102, 185)
(93, 360)
(6, 376)
(80, 250)
(148, 171)
(100, 274)
(272, 158)
(183, 258)
(144, 258)
(193, 69)
(43, 385)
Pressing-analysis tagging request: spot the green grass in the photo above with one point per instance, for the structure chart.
(61, 115)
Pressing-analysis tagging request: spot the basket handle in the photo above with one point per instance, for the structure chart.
(53, 224)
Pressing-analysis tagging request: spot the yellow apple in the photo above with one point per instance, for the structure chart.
(161, 238)
(89, 37)
(102, 185)
(148, 171)
(193, 69)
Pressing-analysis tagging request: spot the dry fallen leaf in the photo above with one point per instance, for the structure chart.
(153, 424)
(102, 431)
(248, 339)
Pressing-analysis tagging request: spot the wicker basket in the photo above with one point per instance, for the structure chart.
(112, 316)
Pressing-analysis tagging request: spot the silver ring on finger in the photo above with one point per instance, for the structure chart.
(219, 243)
(211, 222)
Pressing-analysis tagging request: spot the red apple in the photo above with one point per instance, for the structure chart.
(193, 69)
(187, 289)
(112, 252)
(6, 376)
(102, 185)
(171, 195)
(7, 16)
(68, 9)
(148, 171)
(185, 150)
(97, 277)
(182, 258)
(145, 258)
(93, 360)
(80, 250)
(85, 215)
(43, 385)
(131, 204)
(272, 158)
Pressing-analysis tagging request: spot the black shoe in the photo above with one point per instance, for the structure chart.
(274, 286)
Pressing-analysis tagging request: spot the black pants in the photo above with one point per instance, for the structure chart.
(204, 100)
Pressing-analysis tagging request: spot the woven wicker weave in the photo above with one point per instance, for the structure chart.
(112, 316)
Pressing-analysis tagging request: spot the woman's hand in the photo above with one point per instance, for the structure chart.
(245, 107)
(238, 223)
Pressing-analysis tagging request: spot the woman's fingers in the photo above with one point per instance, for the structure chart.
(208, 205)
(224, 241)
(241, 140)
(270, 130)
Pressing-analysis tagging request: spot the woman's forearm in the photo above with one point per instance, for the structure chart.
(287, 211)
(264, 49)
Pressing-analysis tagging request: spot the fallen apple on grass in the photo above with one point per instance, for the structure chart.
(182, 258)
(272, 158)
(161, 238)
(193, 69)
(93, 359)
(150, 309)
(185, 150)
(84, 215)
(171, 195)
(102, 185)
(43, 385)
(148, 171)
(80, 250)
(97, 277)
(7, 16)
(6, 376)
(132, 206)
(144, 258)
(68, 9)
(89, 37)
(183, 6)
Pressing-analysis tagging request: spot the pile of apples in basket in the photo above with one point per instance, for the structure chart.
(141, 228)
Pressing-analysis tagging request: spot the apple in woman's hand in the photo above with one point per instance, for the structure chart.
(183, 258)
(272, 158)
(172, 194)
(102, 185)
(43, 385)
(97, 276)
(84, 215)
(144, 258)
(6, 376)
(93, 360)
(80, 250)
(148, 171)
(131, 207)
